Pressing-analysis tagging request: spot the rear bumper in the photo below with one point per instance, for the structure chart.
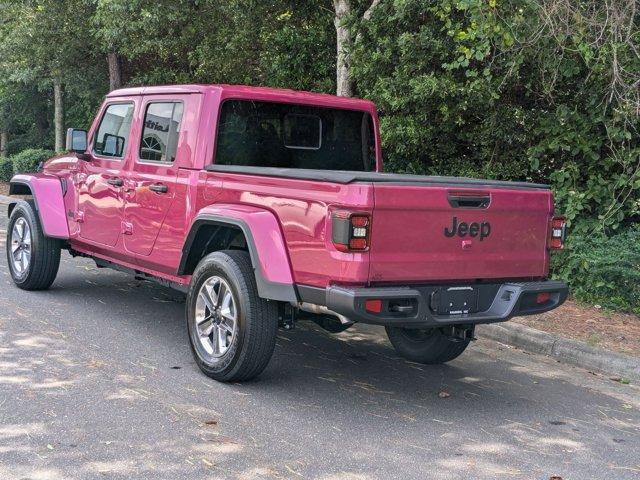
(496, 303)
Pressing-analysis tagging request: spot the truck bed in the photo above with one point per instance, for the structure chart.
(423, 228)
(346, 177)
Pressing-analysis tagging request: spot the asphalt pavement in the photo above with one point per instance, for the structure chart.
(97, 381)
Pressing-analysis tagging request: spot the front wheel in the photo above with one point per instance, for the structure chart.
(429, 346)
(232, 330)
(32, 257)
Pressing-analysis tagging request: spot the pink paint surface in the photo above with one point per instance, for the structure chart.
(47, 191)
(289, 219)
(273, 260)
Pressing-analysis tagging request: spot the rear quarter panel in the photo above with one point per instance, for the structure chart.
(270, 254)
(303, 211)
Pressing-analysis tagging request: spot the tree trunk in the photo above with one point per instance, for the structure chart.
(344, 83)
(115, 74)
(4, 139)
(344, 41)
(42, 122)
(58, 115)
(367, 16)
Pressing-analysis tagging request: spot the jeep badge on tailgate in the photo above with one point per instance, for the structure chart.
(472, 229)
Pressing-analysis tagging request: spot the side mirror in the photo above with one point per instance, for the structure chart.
(76, 140)
(112, 145)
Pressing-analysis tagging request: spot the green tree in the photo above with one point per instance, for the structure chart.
(512, 89)
(45, 44)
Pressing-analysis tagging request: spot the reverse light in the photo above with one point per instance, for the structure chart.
(558, 233)
(350, 231)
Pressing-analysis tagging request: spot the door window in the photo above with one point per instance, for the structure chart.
(113, 133)
(161, 130)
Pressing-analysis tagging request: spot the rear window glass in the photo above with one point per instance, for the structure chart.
(265, 134)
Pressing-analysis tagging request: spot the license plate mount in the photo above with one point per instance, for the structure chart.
(457, 300)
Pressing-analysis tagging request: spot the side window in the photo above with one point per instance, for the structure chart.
(161, 131)
(113, 133)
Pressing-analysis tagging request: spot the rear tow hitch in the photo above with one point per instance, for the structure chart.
(460, 333)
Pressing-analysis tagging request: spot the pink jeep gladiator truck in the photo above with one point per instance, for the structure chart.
(268, 206)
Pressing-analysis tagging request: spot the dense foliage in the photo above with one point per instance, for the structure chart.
(6, 169)
(513, 89)
(604, 270)
(542, 90)
(28, 160)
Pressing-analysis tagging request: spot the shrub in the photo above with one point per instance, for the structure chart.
(6, 169)
(22, 142)
(28, 160)
(603, 270)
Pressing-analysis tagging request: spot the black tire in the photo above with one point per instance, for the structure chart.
(252, 344)
(45, 251)
(429, 346)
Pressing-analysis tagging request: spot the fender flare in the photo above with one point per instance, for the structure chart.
(267, 249)
(48, 196)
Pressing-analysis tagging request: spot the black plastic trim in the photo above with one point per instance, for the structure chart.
(19, 188)
(266, 289)
(499, 302)
(315, 295)
(469, 201)
(101, 263)
(345, 177)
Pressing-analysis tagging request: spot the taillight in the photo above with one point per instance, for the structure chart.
(558, 233)
(350, 231)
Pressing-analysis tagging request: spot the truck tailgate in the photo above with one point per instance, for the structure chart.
(423, 233)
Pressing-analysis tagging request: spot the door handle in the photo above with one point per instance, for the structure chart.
(158, 188)
(116, 182)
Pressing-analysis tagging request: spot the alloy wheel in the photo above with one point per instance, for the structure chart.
(21, 246)
(215, 316)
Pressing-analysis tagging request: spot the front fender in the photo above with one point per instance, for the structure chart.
(266, 245)
(47, 192)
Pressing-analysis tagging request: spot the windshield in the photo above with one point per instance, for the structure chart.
(265, 134)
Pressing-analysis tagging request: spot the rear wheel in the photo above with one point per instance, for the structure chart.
(232, 330)
(32, 257)
(429, 346)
